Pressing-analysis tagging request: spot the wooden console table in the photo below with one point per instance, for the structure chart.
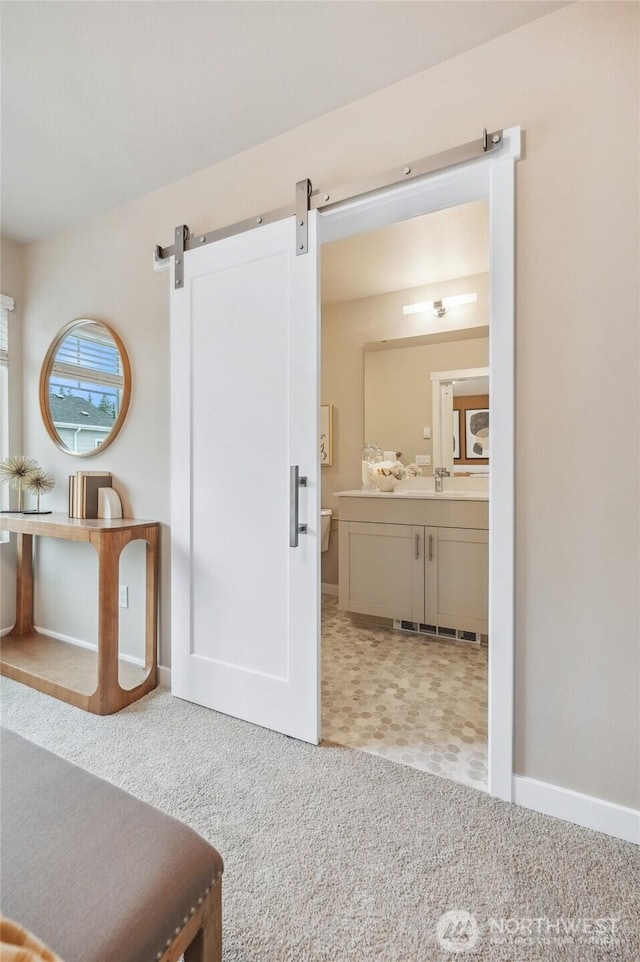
(88, 679)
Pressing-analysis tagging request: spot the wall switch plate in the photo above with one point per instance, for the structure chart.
(123, 596)
(423, 459)
(426, 434)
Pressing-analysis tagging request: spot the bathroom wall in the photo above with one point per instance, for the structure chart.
(570, 80)
(398, 391)
(11, 284)
(346, 329)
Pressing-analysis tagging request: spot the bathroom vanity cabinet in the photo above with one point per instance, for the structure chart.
(421, 560)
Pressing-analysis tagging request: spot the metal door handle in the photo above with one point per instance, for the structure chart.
(296, 481)
(430, 547)
(417, 546)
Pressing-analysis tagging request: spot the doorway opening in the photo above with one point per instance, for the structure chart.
(405, 375)
(256, 281)
(491, 178)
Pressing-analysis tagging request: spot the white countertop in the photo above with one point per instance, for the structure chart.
(419, 494)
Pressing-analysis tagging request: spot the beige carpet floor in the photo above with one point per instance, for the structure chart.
(334, 855)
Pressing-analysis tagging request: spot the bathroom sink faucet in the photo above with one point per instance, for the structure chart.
(439, 474)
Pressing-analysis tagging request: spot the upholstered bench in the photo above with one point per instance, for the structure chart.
(98, 875)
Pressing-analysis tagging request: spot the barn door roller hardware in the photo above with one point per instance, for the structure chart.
(307, 199)
(303, 193)
(182, 236)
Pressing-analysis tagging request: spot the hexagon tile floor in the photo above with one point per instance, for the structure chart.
(412, 699)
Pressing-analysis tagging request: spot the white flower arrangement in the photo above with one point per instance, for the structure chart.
(386, 474)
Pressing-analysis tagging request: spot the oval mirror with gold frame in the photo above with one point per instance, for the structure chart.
(85, 387)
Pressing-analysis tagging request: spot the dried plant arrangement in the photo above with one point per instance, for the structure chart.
(15, 471)
(39, 482)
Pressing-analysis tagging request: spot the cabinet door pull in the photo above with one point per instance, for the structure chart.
(417, 546)
(430, 547)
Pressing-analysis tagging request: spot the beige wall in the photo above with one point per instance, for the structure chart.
(11, 284)
(346, 329)
(398, 391)
(571, 81)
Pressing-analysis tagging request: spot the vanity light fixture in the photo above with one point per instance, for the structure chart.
(440, 308)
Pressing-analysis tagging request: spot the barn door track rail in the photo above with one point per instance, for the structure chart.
(307, 199)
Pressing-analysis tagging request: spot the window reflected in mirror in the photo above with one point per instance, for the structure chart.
(85, 387)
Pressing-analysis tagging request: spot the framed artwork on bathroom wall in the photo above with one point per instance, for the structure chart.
(477, 433)
(461, 405)
(456, 434)
(326, 435)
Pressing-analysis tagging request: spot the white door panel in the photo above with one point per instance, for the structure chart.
(245, 605)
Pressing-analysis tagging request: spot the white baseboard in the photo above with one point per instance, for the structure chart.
(86, 644)
(164, 677)
(585, 810)
(5, 631)
(329, 589)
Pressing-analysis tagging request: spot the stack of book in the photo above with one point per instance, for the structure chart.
(83, 492)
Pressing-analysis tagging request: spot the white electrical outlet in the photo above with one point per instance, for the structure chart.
(423, 459)
(124, 596)
(426, 434)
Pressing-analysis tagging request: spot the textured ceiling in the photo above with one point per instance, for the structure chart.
(105, 101)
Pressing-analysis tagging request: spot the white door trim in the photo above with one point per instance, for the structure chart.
(502, 475)
(492, 178)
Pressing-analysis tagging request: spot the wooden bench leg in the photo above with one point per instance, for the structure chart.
(207, 944)
(200, 940)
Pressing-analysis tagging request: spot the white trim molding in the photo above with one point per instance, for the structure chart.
(328, 589)
(491, 178)
(585, 810)
(90, 645)
(164, 677)
(502, 574)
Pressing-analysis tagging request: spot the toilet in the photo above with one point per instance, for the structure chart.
(325, 522)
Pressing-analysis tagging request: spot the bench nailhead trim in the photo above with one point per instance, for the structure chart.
(186, 918)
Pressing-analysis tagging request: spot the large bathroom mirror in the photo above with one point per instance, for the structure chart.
(85, 387)
(399, 410)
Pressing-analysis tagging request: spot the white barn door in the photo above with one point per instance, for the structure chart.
(245, 622)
